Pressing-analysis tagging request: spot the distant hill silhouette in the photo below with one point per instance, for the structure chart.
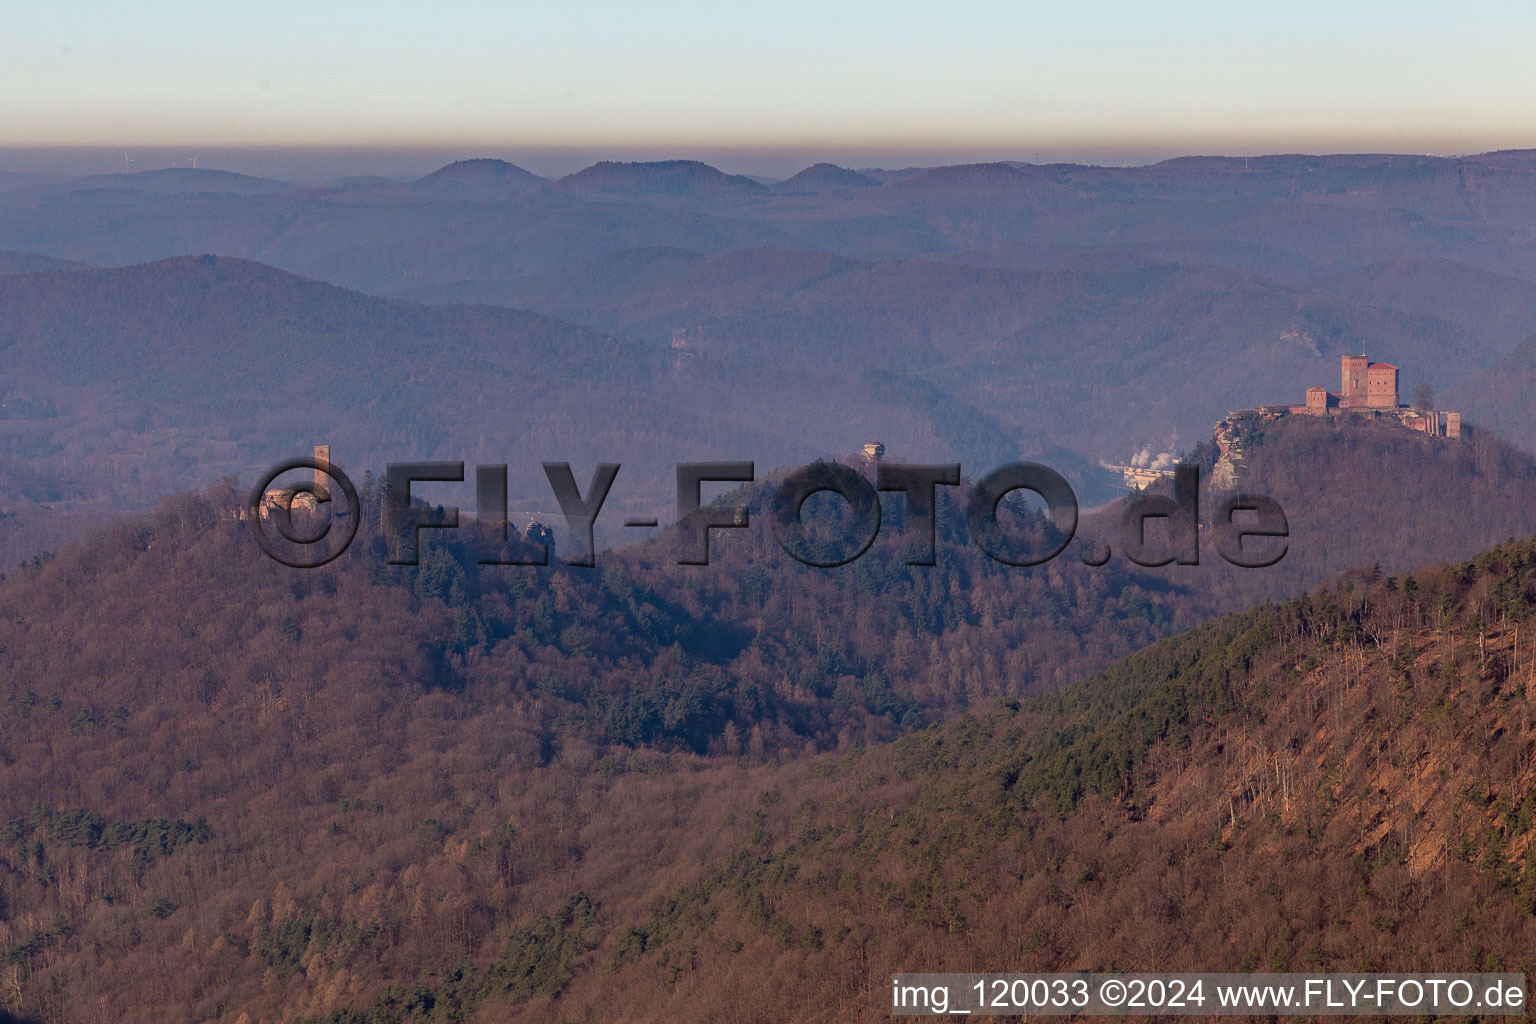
(824, 177)
(478, 179)
(1293, 218)
(675, 178)
(30, 263)
(186, 181)
(966, 179)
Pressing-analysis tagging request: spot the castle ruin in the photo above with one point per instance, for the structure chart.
(287, 499)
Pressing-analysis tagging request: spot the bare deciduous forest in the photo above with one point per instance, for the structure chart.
(371, 793)
(790, 698)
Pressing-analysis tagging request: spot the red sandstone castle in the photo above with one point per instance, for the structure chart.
(1367, 387)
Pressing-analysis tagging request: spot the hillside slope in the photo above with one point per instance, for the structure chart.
(1103, 362)
(1501, 395)
(1498, 310)
(330, 815)
(141, 380)
(145, 380)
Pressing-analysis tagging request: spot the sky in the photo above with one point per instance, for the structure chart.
(858, 81)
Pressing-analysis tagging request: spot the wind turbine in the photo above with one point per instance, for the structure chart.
(194, 160)
(126, 161)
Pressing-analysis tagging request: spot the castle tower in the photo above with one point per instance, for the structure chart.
(323, 458)
(1381, 386)
(1353, 379)
(872, 453)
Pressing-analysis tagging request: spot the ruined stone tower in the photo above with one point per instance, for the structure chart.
(323, 461)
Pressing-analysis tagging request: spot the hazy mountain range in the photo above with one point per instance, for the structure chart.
(1068, 313)
(375, 794)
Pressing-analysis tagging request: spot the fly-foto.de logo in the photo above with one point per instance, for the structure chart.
(1248, 530)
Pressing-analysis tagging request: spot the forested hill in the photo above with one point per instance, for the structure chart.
(317, 796)
(1359, 494)
(120, 385)
(181, 614)
(1340, 782)
(642, 651)
(645, 789)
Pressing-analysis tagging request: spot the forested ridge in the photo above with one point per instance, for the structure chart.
(1339, 782)
(370, 793)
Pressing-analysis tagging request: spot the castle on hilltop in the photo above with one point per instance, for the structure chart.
(1369, 389)
(1365, 389)
(1362, 385)
(287, 499)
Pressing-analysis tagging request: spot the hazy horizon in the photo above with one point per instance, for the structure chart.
(317, 164)
(862, 83)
